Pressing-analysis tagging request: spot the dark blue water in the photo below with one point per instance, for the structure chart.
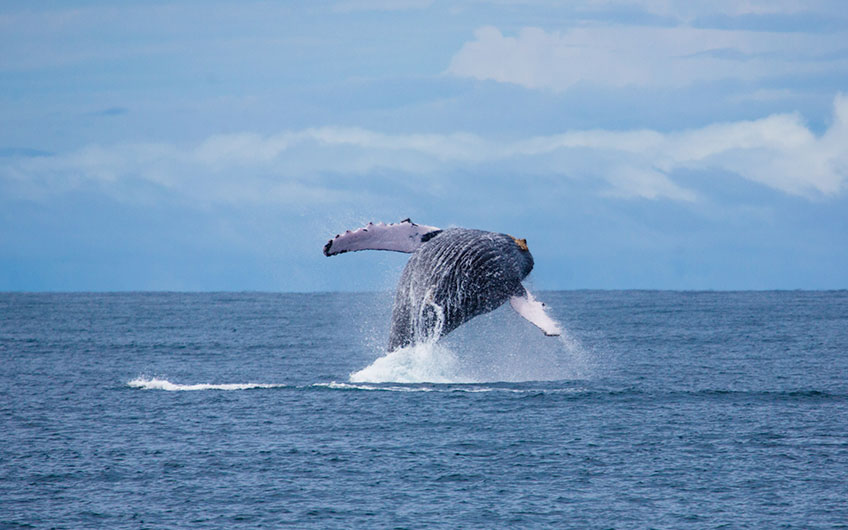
(661, 409)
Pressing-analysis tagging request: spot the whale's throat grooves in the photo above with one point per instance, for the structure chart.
(455, 276)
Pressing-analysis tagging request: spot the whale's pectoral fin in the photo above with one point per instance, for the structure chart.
(534, 311)
(404, 236)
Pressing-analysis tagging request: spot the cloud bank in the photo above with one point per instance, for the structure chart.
(621, 56)
(778, 151)
(686, 9)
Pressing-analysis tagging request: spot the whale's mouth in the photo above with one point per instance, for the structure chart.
(522, 243)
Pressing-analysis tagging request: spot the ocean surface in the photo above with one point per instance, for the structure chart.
(245, 410)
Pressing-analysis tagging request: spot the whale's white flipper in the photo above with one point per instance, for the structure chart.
(534, 311)
(404, 236)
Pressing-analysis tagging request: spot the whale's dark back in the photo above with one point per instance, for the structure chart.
(453, 277)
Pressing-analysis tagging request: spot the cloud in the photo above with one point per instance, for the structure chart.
(688, 8)
(337, 164)
(347, 6)
(778, 151)
(622, 56)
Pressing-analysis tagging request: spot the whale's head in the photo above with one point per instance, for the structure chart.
(525, 259)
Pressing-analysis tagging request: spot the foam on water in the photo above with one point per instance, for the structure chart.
(442, 388)
(420, 363)
(164, 384)
(350, 386)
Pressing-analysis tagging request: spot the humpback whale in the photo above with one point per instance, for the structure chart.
(452, 276)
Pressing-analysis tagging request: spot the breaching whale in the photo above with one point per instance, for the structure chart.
(452, 276)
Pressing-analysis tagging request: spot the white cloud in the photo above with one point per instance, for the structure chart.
(777, 151)
(648, 183)
(689, 9)
(686, 10)
(641, 56)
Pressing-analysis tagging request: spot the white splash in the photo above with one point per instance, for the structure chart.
(495, 347)
(420, 363)
(164, 384)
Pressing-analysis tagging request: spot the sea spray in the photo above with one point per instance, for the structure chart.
(500, 346)
(494, 347)
(420, 363)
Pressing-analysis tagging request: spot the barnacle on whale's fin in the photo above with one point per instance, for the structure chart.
(522, 243)
(404, 236)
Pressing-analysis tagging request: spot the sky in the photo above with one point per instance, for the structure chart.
(635, 144)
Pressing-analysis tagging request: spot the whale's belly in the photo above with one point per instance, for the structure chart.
(452, 278)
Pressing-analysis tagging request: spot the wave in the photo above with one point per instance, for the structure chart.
(571, 389)
(349, 386)
(164, 384)
(471, 389)
(585, 390)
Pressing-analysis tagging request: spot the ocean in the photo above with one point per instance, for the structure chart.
(655, 409)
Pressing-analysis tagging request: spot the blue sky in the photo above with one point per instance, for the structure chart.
(217, 146)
